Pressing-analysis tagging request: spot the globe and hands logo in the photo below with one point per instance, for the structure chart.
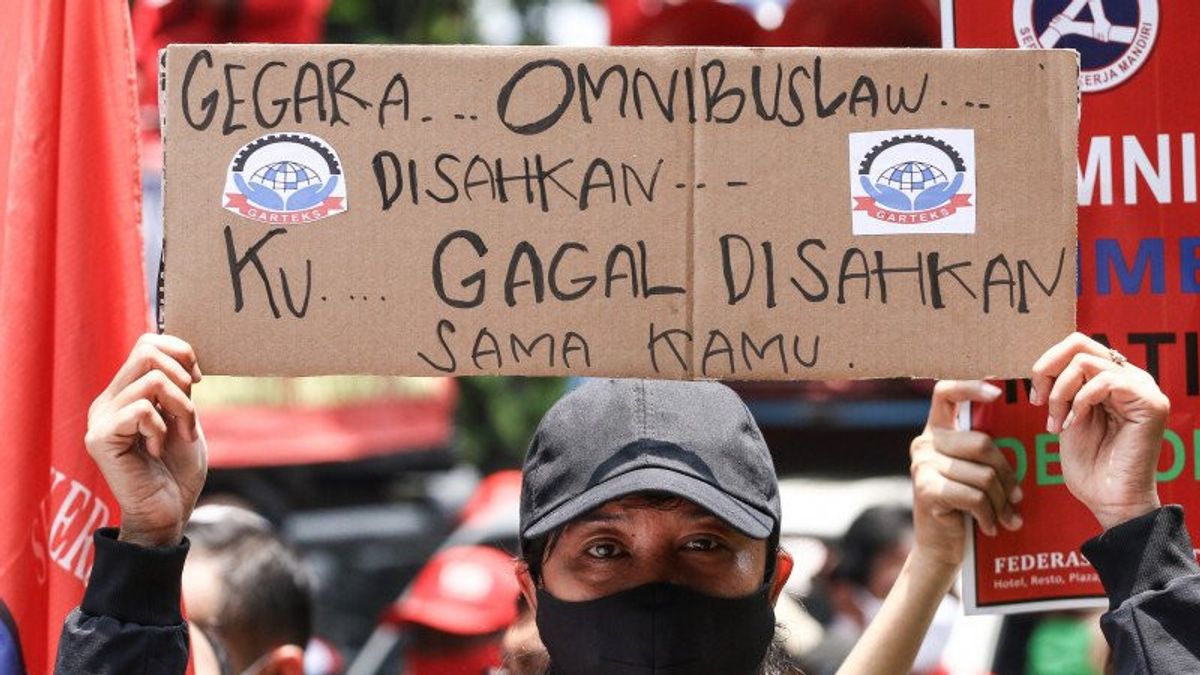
(285, 178)
(286, 186)
(911, 184)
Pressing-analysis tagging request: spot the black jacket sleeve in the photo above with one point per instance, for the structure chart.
(1149, 571)
(129, 622)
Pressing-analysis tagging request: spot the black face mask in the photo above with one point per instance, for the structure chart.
(657, 629)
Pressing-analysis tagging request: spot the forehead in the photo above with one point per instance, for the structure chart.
(646, 503)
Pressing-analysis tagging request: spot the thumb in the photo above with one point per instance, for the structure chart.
(947, 394)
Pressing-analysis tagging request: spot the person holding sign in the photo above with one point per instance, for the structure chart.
(1110, 417)
(650, 521)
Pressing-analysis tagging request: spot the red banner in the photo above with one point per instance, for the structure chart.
(1139, 265)
(72, 297)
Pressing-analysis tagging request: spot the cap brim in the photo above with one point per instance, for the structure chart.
(742, 517)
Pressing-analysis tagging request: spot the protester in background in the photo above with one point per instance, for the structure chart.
(870, 557)
(797, 632)
(457, 610)
(247, 591)
(650, 521)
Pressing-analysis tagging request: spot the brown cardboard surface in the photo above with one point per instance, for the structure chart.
(692, 161)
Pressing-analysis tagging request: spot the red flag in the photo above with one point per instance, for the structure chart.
(72, 298)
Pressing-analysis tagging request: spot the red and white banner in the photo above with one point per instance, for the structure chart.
(880, 212)
(72, 298)
(1139, 269)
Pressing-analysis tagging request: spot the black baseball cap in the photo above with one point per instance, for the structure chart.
(612, 438)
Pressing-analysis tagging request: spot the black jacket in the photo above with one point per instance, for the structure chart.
(1149, 571)
(129, 622)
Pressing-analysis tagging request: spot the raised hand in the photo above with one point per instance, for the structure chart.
(956, 472)
(144, 435)
(1110, 416)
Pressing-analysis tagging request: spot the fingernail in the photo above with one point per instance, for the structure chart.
(1067, 422)
(1050, 422)
(991, 392)
(1016, 495)
(1017, 521)
(1034, 397)
(196, 374)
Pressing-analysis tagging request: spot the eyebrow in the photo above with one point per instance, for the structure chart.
(597, 517)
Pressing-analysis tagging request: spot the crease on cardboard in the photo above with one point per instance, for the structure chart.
(691, 238)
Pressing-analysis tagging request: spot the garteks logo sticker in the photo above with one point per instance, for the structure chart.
(285, 179)
(913, 181)
(1113, 37)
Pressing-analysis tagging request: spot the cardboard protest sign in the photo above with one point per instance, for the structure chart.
(674, 212)
(1139, 280)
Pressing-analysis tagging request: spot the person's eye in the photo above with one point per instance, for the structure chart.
(603, 550)
(703, 544)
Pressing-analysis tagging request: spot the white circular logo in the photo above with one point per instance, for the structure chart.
(1113, 37)
(285, 179)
